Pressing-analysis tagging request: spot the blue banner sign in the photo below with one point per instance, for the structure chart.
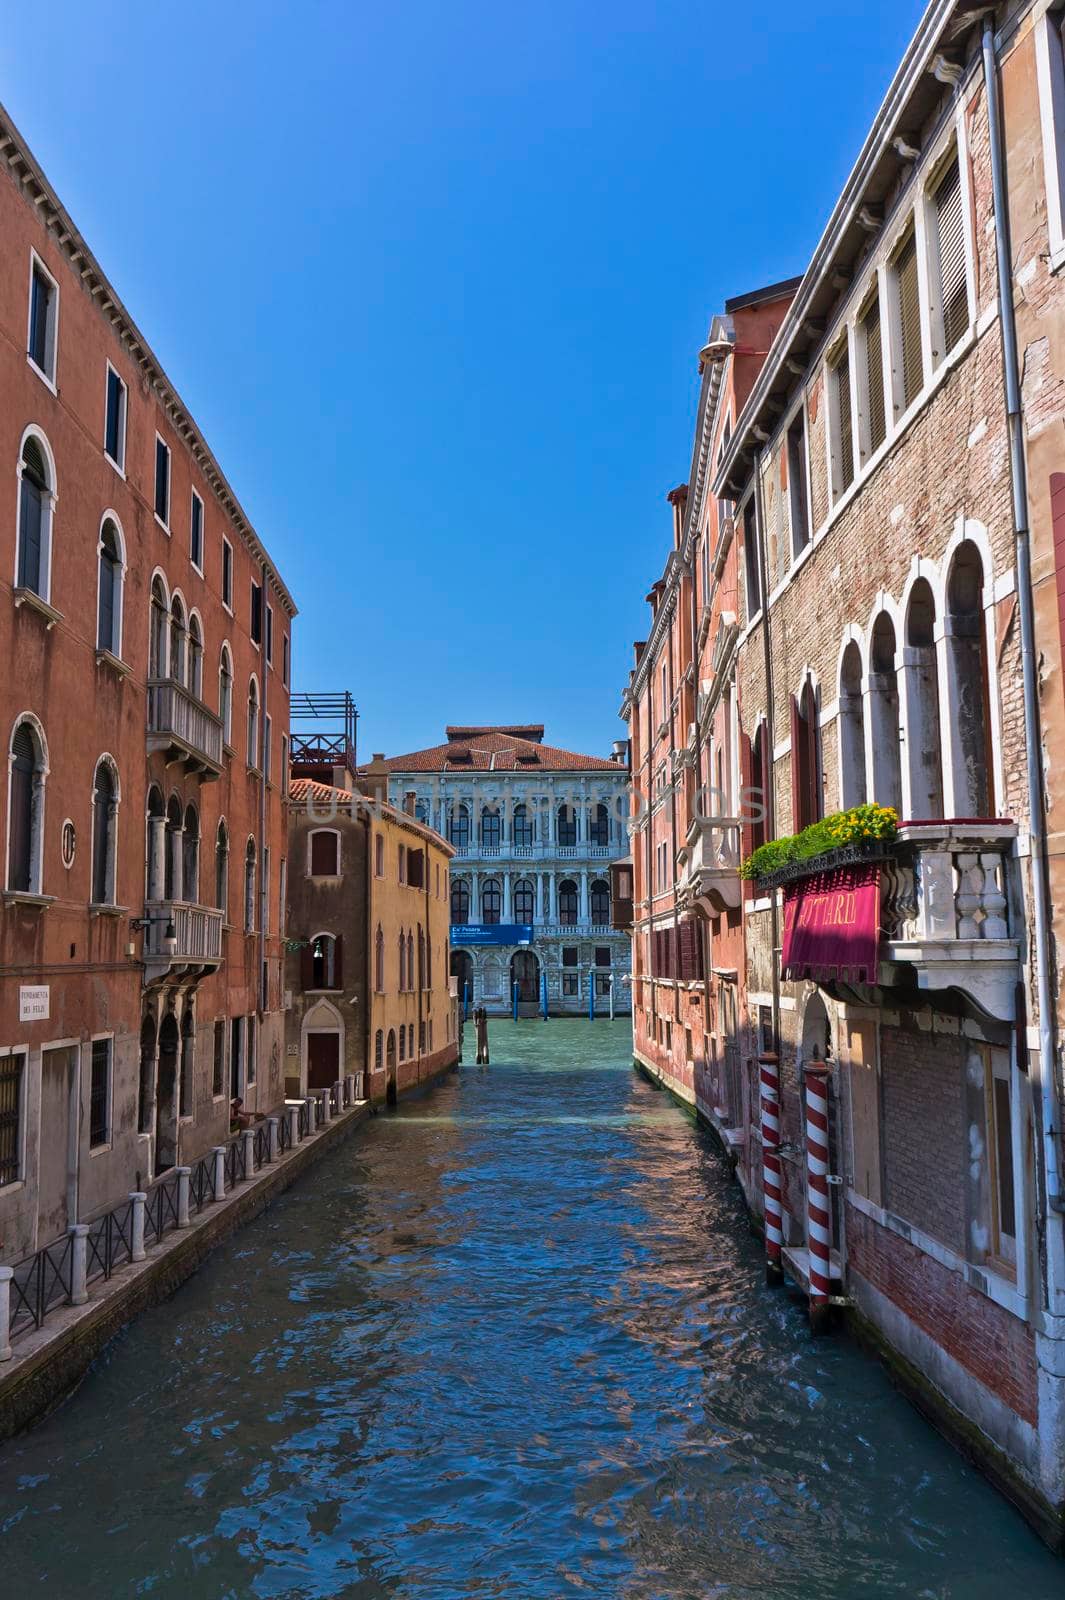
(492, 933)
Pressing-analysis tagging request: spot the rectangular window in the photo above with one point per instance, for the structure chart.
(236, 1058)
(44, 311)
(252, 1064)
(570, 983)
(871, 340)
(908, 366)
(270, 634)
(115, 419)
(284, 764)
(218, 1072)
(11, 1100)
(1000, 1130)
(162, 482)
(602, 955)
(570, 955)
(227, 574)
(264, 892)
(752, 564)
(196, 533)
(379, 856)
(843, 428)
(100, 1094)
(282, 896)
(952, 287)
(266, 747)
(284, 660)
(798, 498)
(325, 853)
(256, 624)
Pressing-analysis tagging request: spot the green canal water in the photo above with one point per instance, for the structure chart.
(511, 1341)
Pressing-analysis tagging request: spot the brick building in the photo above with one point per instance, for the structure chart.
(145, 649)
(367, 977)
(848, 617)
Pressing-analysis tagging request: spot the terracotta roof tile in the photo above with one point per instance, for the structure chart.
(497, 752)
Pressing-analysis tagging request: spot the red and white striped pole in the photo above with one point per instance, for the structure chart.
(818, 1211)
(769, 1073)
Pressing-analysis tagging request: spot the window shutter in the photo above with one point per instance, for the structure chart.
(874, 375)
(909, 305)
(953, 289)
(842, 375)
(797, 733)
(746, 783)
(256, 613)
(323, 854)
(307, 967)
(31, 515)
(338, 961)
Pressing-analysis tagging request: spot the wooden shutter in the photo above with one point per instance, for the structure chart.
(953, 288)
(338, 961)
(796, 764)
(20, 823)
(256, 612)
(31, 516)
(746, 783)
(323, 854)
(909, 309)
(845, 453)
(874, 375)
(307, 967)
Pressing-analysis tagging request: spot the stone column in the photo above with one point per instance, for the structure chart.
(475, 896)
(273, 1148)
(184, 1175)
(219, 1184)
(137, 1199)
(156, 857)
(248, 1136)
(293, 1115)
(538, 885)
(585, 912)
(6, 1275)
(79, 1263)
(552, 894)
(325, 1098)
(312, 1107)
(506, 897)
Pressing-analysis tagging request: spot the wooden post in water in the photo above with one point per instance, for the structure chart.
(480, 1022)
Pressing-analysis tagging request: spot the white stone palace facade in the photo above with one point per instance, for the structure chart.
(535, 829)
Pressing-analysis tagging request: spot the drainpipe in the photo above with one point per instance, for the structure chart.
(1029, 659)
(264, 886)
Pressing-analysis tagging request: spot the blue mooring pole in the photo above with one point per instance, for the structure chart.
(515, 988)
(591, 997)
(466, 1001)
(543, 993)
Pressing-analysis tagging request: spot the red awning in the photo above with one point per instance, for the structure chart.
(832, 925)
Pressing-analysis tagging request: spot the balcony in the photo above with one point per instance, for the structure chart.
(183, 728)
(709, 866)
(945, 912)
(196, 942)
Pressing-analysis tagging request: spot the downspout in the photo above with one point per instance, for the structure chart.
(768, 776)
(1029, 660)
(264, 886)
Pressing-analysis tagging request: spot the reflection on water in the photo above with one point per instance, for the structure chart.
(511, 1341)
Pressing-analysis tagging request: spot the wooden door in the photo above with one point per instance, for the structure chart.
(323, 1060)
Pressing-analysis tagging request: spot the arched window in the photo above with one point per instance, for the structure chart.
(225, 694)
(323, 962)
(491, 830)
(379, 962)
(759, 797)
(190, 857)
(410, 961)
(491, 900)
(421, 957)
(146, 1085)
(403, 1041)
(109, 598)
(601, 903)
(969, 686)
(524, 900)
(187, 1069)
(325, 853)
(920, 676)
(402, 962)
(221, 870)
(567, 902)
(195, 668)
(460, 904)
(253, 723)
(158, 629)
(851, 729)
(378, 1050)
(178, 636)
(886, 765)
(173, 878)
(428, 961)
(600, 832)
(391, 1053)
(36, 502)
(806, 792)
(524, 832)
(459, 827)
(249, 887)
(567, 826)
(104, 833)
(25, 811)
(157, 843)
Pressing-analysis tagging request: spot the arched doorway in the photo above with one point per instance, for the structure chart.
(146, 1094)
(323, 1046)
(525, 972)
(166, 1096)
(462, 969)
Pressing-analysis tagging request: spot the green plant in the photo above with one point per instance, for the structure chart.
(860, 823)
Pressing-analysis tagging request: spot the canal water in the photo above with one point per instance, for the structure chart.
(511, 1341)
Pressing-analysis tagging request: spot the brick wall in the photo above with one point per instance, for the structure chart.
(924, 1132)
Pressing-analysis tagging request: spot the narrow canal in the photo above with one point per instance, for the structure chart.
(511, 1341)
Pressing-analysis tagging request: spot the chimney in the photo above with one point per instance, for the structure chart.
(409, 799)
(678, 499)
(619, 752)
(375, 778)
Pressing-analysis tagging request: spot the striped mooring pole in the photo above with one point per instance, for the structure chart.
(818, 1211)
(769, 1072)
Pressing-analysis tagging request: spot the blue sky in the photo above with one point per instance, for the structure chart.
(432, 279)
